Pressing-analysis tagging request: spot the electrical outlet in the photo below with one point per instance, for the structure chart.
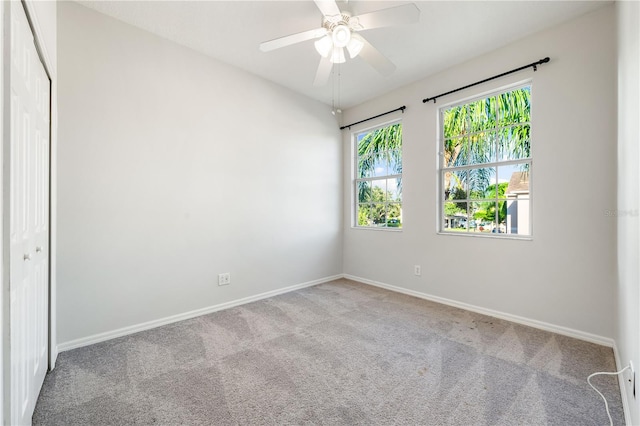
(417, 270)
(224, 279)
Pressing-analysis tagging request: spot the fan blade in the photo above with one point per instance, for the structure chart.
(324, 71)
(377, 60)
(277, 43)
(328, 7)
(397, 15)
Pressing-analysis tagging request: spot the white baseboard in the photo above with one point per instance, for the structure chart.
(565, 331)
(101, 337)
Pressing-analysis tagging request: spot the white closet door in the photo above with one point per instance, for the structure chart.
(29, 219)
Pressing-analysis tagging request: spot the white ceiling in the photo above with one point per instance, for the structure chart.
(449, 32)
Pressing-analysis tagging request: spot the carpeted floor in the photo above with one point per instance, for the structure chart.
(337, 353)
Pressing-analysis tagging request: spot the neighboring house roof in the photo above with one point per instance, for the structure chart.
(518, 184)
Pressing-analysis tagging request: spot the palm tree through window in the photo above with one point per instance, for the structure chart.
(485, 165)
(378, 183)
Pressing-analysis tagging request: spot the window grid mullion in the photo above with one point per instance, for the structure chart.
(488, 165)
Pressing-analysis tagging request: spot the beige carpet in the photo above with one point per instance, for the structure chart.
(337, 353)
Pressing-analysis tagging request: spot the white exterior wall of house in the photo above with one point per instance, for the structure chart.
(173, 168)
(518, 217)
(544, 284)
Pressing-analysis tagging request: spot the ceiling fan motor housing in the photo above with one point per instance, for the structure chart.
(331, 22)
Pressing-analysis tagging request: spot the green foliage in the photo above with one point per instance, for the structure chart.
(379, 211)
(487, 130)
(382, 145)
(381, 148)
(489, 208)
(459, 194)
(451, 209)
(491, 190)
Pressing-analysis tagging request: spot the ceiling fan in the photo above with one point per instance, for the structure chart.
(339, 31)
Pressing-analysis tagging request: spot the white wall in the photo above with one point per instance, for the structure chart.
(174, 167)
(628, 207)
(564, 276)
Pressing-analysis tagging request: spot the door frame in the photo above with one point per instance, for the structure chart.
(49, 64)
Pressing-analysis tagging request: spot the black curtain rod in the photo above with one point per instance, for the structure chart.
(348, 126)
(533, 64)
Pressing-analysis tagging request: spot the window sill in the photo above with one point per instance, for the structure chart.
(365, 228)
(488, 235)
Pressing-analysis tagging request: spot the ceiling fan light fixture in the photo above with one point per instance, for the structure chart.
(355, 45)
(337, 57)
(341, 35)
(324, 46)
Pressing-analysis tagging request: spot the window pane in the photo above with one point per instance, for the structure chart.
(496, 191)
(455, 215)
(483, 212)
(456, 152)
(482, 148)
(378, 214)
(364, 192)
(456, 187)
(481, 114)
(394, 189)
(484, 226)
(395, 162)
(365, 166)
(460, 154)
(380, 166)
(448, 148)
(517, 220)
(478, 180)
(394, 215)
(364, 215)
(514, 143)
(379, 190)
(518, 175)
(454, 121)
(514, 106)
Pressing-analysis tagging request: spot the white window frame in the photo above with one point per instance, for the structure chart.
(441, 230)
(355, 171)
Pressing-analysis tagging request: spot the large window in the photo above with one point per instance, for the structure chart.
(378, 177)
(485, 165)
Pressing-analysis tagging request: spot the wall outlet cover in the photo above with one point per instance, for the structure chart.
(224, 279)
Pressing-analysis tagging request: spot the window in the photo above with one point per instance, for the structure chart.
(378, 177)
(485, 165)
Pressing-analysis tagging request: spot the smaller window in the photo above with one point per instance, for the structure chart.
(378, 177)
